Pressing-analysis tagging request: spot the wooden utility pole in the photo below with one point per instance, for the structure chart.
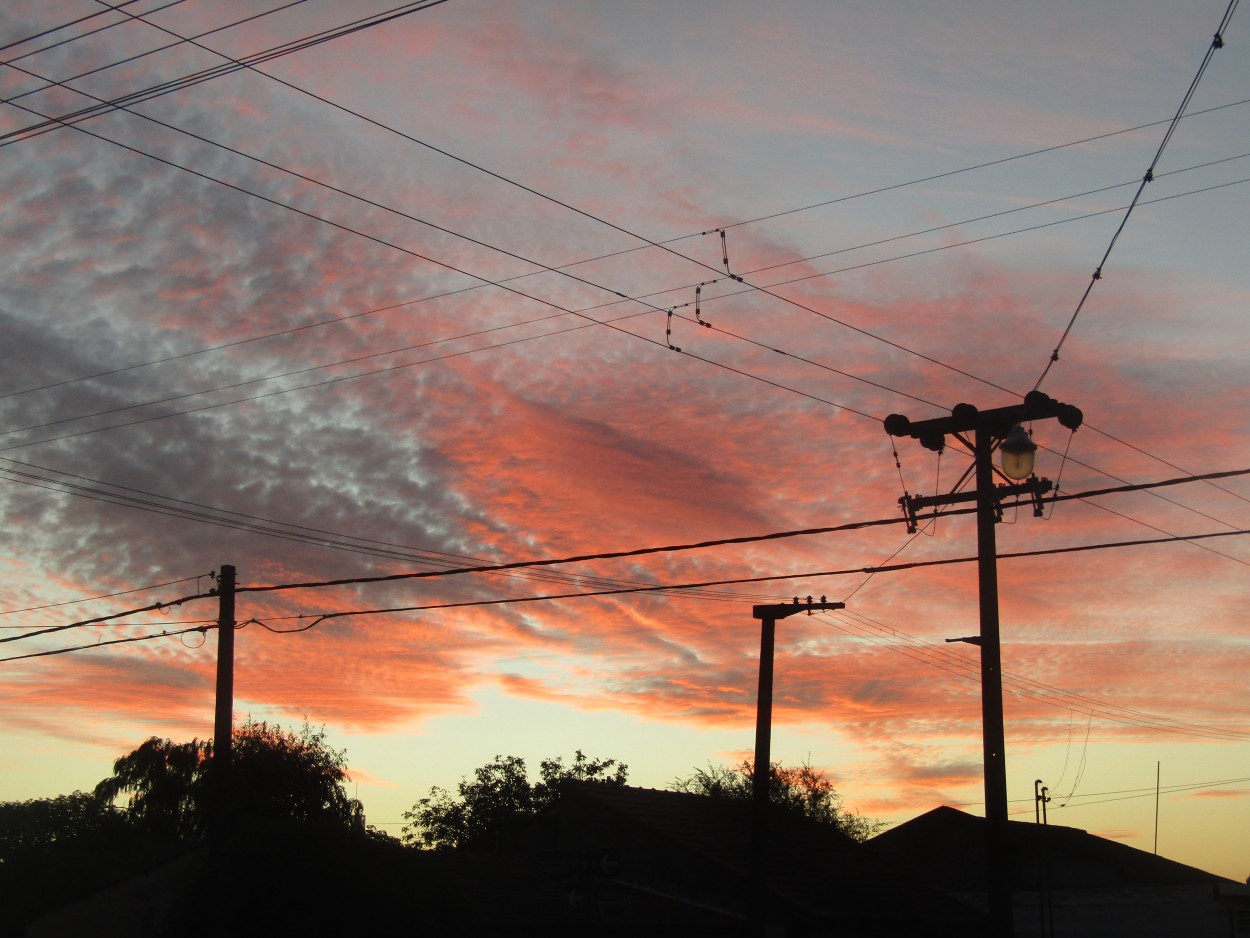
(768, 616)
(223, 723)
(989, 429)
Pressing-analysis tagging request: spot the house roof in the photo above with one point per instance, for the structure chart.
(813, 866)
(949, 846)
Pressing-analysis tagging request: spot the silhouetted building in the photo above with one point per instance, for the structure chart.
(1067, 883)
(641, 861)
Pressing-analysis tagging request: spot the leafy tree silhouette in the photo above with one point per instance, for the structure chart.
(275, 775)
(499, 793)
(798, 789)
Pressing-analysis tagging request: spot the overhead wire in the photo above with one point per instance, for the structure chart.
(757, 538)
(561, 309)
(1031, 688)
(746, 374)
(190, 80)
(393, 306)
(1172, 125)
(589, 215)
(1216, 43)
(83, 35)
(766, 291)
(926, 653)
(220, 517)
(97, 620)
(104, 643)
(1144, 793)
(55, 29)
(701, 545)
(91, 599)
(632, 234)
(302, 176)
(149, 637)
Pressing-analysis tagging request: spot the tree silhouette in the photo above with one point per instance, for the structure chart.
(40, 822)
(798, 789)
(275, 775)
(499, 793)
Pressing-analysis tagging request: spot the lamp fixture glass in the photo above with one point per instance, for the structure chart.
(1017, 454)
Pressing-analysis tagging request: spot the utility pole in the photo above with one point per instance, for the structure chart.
(996, 428)
(223, 722)
(768, 616)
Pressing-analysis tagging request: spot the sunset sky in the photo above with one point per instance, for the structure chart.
(428, 294)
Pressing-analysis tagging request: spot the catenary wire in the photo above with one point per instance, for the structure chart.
(591, 320)
(1144, 793)
(1042, 692)
(622, 229)
(543, 268)
(394, 351)
(857, 525)
(919, 650)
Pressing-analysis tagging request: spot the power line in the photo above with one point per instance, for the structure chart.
(1032, 689)
(1169, 790)
(221, 517)
(747, 374)
(97, 620)
(848, 526)
(659, 587)
(683, 287)
(195, 78)
(562, 310)
(590, 321)
(1144, 793)
(55, 29)
(113, 641)
(90, 599)
(573, 312)
(1216, 43)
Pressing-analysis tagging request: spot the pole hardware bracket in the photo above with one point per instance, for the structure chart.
(776, 611)
(1033, 487)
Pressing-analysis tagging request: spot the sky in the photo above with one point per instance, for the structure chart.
(491, 283)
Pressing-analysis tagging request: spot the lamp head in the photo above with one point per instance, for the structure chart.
(1017, 454)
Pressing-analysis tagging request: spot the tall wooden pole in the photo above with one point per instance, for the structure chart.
(993, 734)
(223, 722)
(768, 615)
(759, 781)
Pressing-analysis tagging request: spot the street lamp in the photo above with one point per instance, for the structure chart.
(1018, 452)
(1001, 428)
